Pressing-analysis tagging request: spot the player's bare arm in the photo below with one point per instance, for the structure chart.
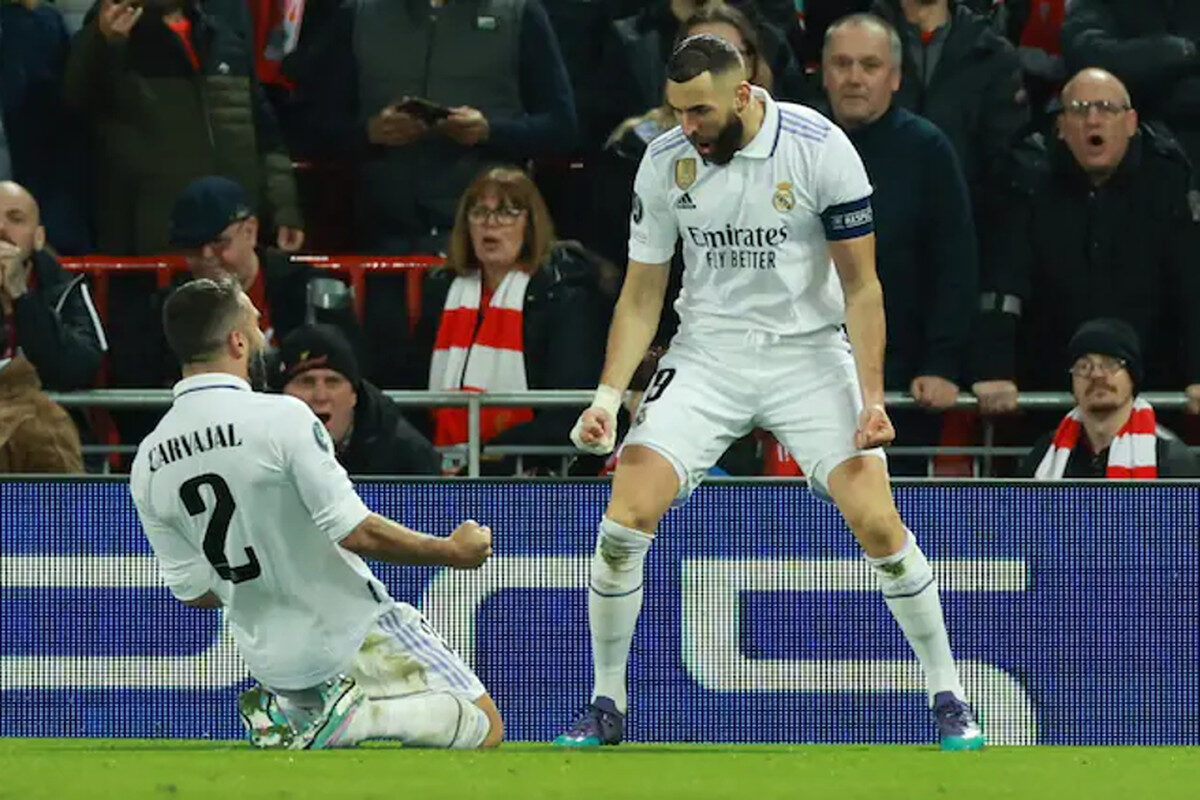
(865, 323)
(206, 600)
(378, 537)
(635, 321)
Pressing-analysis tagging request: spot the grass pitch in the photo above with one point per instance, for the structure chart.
(66, 769)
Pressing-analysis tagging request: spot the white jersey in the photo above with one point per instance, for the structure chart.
(754, 230)
(240, 495)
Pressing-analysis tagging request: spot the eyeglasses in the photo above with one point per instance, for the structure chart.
(1104, 366)
(1107, 108)
(502, 215)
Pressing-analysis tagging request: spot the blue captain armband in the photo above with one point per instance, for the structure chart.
(848, 220)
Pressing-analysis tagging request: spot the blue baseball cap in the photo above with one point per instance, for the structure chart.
(206, 207)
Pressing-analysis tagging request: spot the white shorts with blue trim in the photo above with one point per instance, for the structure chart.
(712, 389)
(401, 655)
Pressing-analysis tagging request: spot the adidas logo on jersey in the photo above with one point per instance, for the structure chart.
(685, 201)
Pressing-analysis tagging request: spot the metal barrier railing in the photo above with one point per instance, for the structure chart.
(475, 401)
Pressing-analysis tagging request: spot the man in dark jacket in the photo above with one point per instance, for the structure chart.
(1103, 227)
(48, 149)
(491, 84)
(370, 435)
(1151, 45)
(171, 95)
(45, 313)
(925, 235)
(1102, 437)
(214, 224)
(964, 77)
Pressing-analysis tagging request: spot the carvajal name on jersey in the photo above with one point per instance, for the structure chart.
(739, 248)
(190, 444)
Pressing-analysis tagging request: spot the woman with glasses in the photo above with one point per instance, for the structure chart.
(513, 309)
(1111, 432)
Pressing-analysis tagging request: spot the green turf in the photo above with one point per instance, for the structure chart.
(62, 769)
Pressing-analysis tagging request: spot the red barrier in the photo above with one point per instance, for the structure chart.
(101, 268)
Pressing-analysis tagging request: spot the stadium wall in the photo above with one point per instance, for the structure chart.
(1074, 611)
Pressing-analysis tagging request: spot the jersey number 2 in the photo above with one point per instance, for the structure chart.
(218, 526)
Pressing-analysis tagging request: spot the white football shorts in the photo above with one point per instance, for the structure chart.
(402, 654)
(712, 389)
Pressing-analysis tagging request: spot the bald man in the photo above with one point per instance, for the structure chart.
(46, 314)
(1104, 226)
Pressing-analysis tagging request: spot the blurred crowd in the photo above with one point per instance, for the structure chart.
(1037, 213)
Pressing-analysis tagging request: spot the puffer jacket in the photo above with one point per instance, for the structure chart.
(158, 123)
(36, 434)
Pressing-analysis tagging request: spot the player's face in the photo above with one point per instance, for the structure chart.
(859, 74)
(1097, 123)
(708, 110)
(19, 223)
(228, 254)
(1102, 388)
(331, 397)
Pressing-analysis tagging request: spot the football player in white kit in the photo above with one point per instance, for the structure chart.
(773, 206)
(247, 509)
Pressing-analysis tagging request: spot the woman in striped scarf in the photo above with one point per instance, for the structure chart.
(513, 309)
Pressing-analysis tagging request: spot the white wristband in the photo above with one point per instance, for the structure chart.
(608, 398)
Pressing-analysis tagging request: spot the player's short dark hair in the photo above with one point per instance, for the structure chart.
(702, 53)
(198, 316)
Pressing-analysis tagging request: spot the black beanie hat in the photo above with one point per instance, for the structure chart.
(1108, 337)
(315, 347)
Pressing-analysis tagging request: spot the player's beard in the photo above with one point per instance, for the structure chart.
(727, 141)
(256, 370)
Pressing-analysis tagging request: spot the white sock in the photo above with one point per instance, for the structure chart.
(911, 594)
(428, 719)
(614, 603)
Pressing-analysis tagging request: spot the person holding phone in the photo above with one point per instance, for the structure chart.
(429, 98)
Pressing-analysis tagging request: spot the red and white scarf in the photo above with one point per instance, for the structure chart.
(474, 356)
(1131, 454)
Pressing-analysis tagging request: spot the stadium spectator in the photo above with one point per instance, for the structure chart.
(171, 96)
(213, 223)
(514, 309)
(964, 77)
(483, 85)
(1152, 48)
(1108, 433)
(635, 61)
(923, 227)
(46, 314)
(48, 150)
(50, 336)
(925, 237)
(633, 135)
(36, 434)
(1102, 227)
(370, 436)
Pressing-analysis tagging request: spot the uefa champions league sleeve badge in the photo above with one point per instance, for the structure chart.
(320, 435)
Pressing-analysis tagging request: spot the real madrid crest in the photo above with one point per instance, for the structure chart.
(783, 200)
(685, 173)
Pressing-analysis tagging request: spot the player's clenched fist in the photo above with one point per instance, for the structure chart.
(874, 428)
(472, 544)
(595, 431)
